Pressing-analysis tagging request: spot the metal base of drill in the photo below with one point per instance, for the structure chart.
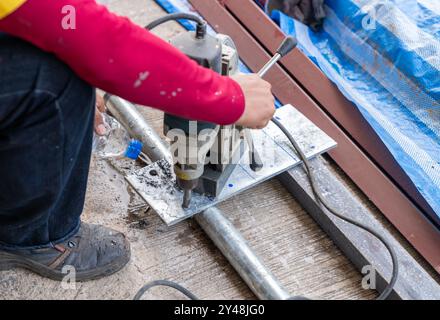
(212, 182)
(156, 183)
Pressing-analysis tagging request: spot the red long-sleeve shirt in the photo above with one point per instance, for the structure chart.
(112, 53)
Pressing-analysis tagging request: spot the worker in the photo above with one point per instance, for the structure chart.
(53, 54)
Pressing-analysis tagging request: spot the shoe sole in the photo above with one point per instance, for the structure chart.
(10, 261)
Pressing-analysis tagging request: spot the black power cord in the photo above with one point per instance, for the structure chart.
(200, 27)
(200, 33)
(319, 197)
(164, 283)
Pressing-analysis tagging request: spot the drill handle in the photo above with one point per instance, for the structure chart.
(289, 43)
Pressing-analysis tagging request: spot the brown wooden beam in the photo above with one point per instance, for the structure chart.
(390, 200)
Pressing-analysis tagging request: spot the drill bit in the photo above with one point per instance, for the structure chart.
(187, 194)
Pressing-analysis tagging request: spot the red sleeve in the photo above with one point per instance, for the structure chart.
(114, 54)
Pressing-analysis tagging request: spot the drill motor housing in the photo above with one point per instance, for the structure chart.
(219, 54)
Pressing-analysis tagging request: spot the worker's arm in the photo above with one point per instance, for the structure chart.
(114, 54)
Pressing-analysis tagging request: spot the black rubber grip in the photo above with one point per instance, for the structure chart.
(288, 45)
(256, 162)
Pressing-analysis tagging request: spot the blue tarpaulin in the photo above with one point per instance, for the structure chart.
(384, 56)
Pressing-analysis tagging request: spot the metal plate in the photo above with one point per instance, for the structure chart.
(156, 182)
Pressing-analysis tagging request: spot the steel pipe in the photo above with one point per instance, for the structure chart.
(221, 231)
(244, 260)
(138, 128)
(269, 65)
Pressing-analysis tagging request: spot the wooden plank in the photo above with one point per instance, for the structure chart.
(390, 200)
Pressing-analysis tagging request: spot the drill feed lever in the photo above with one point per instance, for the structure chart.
(288, 44)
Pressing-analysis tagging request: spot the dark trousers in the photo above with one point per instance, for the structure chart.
(46, 130)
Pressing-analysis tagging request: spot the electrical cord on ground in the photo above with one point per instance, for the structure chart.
(313, 183)
(164, 283)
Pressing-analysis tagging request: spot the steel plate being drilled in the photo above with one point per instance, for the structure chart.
(156, 183)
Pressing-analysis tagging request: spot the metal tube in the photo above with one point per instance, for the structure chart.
(138, 128)
(269, 65)
(244, 260)
(225, 236)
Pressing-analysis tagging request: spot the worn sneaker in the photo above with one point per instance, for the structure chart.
(94, 252)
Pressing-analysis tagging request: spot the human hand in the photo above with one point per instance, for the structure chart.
(100, 128)
(260, 103)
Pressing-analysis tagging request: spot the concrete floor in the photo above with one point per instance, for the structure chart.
(297, 251)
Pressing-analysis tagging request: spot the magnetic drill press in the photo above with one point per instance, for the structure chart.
(210, 151)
